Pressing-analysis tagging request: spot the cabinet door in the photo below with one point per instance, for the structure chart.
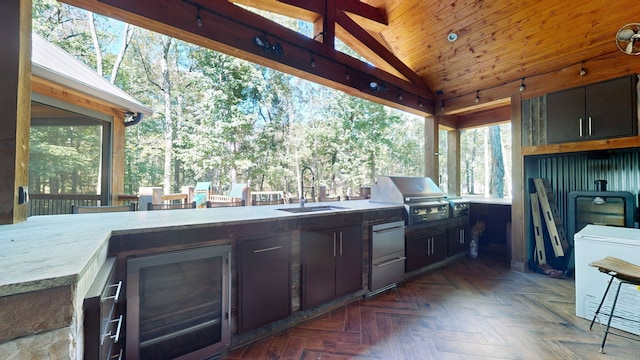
(348, 260)
(264, 281)
(458, 240)
(416, 252)
(437, 250)
(565, 116)
(610, 109)
(318, 267)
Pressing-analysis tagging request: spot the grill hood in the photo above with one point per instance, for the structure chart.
(404, 189)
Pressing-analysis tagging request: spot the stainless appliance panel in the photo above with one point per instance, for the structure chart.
(403, 189)
(387, 271)
(387, 256)
(387, 239)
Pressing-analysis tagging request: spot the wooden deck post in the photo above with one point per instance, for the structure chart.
(15, 102)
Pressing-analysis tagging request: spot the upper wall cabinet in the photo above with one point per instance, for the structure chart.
(597, 111)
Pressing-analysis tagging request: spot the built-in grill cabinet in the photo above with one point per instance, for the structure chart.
(103, 318)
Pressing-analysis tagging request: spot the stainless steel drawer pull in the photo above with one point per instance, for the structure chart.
(382, 231)
(115, 337)
(267, 249)
(116, 296)
(391, 261)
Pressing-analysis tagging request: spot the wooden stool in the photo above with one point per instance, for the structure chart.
(626, 273)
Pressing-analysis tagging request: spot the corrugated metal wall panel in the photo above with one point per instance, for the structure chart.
(572, 172)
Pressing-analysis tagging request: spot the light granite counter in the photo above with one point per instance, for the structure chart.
(59, 250)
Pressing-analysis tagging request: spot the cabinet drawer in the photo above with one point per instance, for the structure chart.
(387, 270)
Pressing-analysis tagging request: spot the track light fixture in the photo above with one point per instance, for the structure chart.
(523, 86)
(442, 106)
(347, 75)
(583, 72)
(313, 61)
(478, 96)
(420, 103)
(377, 86)
(198, 18)
(265, 44)
(400, 94)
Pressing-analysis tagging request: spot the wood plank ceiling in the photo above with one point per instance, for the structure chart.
(499, 43)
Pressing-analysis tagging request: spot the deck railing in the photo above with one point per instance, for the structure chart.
(54, 204)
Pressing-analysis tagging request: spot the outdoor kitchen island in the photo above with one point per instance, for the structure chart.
(49, 263)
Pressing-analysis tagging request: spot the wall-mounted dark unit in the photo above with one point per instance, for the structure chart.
(611, 208)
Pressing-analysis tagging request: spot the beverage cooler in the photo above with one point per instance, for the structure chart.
(178, 304)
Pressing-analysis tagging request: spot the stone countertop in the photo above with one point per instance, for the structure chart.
(57, 250)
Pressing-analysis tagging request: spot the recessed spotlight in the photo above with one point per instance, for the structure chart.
(452, 37)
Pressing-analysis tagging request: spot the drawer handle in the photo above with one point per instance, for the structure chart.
(116, 296)
(382, 231)
(267, 249)
(391, 261)
(115, 337)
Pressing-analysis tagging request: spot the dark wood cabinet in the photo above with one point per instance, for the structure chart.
(597, 111)
(425, 247)
(264, 280)
(458, 238)
(331, 264)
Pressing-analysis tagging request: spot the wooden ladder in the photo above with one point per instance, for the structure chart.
(551, 216)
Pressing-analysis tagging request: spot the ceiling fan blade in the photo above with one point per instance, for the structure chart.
(629, 48)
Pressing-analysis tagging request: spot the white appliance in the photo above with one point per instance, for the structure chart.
(596, 242)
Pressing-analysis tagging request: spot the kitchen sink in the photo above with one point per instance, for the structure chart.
(308, 209)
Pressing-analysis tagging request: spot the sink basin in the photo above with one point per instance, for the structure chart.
(308, 209)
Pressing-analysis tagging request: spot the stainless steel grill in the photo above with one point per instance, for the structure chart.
(422, 198)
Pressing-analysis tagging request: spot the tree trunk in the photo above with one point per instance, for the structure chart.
(497, 163)
(127, 34)
(96, 43)
(168, 121)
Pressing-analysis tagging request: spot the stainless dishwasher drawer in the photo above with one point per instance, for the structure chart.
(387, 271)
(387, 239)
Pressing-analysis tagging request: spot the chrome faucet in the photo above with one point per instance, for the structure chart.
(313, 178)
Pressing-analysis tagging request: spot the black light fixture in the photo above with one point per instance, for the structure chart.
(523, 86)
(347, 75)
(478, 96)
(400, 95)
(420, 103)
(265, 44)
(376, 86)
(442, 106)
(313, 61)
(198, 18)
(583, 72)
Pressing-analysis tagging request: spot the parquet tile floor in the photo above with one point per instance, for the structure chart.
(470, 309)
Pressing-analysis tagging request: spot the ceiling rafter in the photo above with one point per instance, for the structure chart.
(232, 29)
(339, 13)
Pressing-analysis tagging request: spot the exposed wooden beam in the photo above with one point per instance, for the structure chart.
(231, 29)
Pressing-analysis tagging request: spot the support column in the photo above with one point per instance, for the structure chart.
(431, 148)
(453, 163)
(15, 102)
